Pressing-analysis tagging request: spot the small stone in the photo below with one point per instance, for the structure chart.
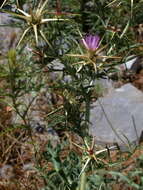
(28, 166)
(128, 65)
(7, 172)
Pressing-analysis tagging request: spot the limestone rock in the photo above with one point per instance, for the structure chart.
(117, 117)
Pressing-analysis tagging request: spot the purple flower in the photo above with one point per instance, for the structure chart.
(91, 42)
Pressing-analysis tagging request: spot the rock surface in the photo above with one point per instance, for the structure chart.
(104, 86)
(8, 35)
(117, 117)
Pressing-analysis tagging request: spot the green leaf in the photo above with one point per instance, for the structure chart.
(125, 29)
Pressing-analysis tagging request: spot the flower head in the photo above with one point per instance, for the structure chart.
(34, 19)
(91, 42)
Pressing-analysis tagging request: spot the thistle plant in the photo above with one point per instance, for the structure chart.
(89, 153)
(94, 54)
(87, 57)
(34, 20)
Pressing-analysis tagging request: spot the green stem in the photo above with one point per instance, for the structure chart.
(87, 112)
(83, 181)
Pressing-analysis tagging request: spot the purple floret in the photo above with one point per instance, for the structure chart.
(91, 42)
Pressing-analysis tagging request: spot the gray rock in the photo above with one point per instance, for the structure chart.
(8, 35)
(134, 64)
(104, 86)
(128, 63)
(117, 118)
(7, 172)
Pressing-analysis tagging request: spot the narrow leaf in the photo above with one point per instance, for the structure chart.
(24, 33)
(125, 29)
(36, 33)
